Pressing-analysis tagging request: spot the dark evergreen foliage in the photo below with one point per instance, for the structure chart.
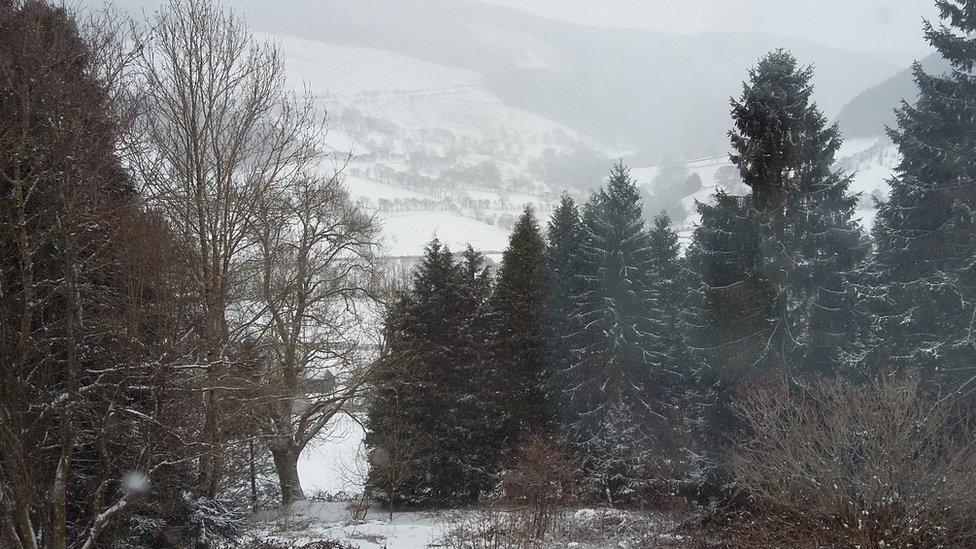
(619, 352)
(673, 280)
(518, 331)
(925, 248)
(433, 388)
(562, 286)
(773, 294)
(800, 298)
(725, 317)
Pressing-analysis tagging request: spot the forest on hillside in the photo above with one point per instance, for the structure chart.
(190, 297)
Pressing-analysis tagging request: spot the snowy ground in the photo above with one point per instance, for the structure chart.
(334, 463)
(314, 521)
(585, 528)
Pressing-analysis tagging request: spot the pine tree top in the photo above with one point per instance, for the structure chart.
(781, 141)
(618, 202)
(565, 221)
(474, 267)
(526, 248)
(664, 240)
(436, 271)
(958, 49)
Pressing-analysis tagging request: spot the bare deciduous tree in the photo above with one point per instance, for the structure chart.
(220, 130)
(312, 274)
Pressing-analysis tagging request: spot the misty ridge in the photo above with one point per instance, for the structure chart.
(375, 274)
(654, 92)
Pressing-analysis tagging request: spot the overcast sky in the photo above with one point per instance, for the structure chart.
(876, 25)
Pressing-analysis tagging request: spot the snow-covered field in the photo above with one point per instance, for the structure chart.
(872, 166)
(584, 528)
(405, 234)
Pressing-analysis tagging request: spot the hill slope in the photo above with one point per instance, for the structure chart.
(655, 92)
(870, 111)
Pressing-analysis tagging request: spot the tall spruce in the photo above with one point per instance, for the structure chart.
(674, 284)
(398, 412)
(809, 238)
(518, 328)
(562, 285)
(925, 245)
(619, 350)
(724, 320)
(475, 438)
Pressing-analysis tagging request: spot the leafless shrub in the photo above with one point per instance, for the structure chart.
(544, 480)
(841, 465)
(488, 528)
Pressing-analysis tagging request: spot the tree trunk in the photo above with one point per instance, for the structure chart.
(59, 498)
(286, 464)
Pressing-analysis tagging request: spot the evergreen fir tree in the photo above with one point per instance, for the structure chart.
(395, 418)
(562, 286)
(677, 382)
(619, 350)
(726, 319)
(725, 322)
(673, 281)
(471, 438)
(809, 239)
(925, 245)
(518, 328)
(773, 294)
(431, 381)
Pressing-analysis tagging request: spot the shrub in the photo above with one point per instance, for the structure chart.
(488, 528)
(839, 465)
(544, 480)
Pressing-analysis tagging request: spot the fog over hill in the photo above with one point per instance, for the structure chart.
(870, 111)
(655, 92)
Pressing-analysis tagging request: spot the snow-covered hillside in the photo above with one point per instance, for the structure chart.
(872, 162)
(434, 153)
